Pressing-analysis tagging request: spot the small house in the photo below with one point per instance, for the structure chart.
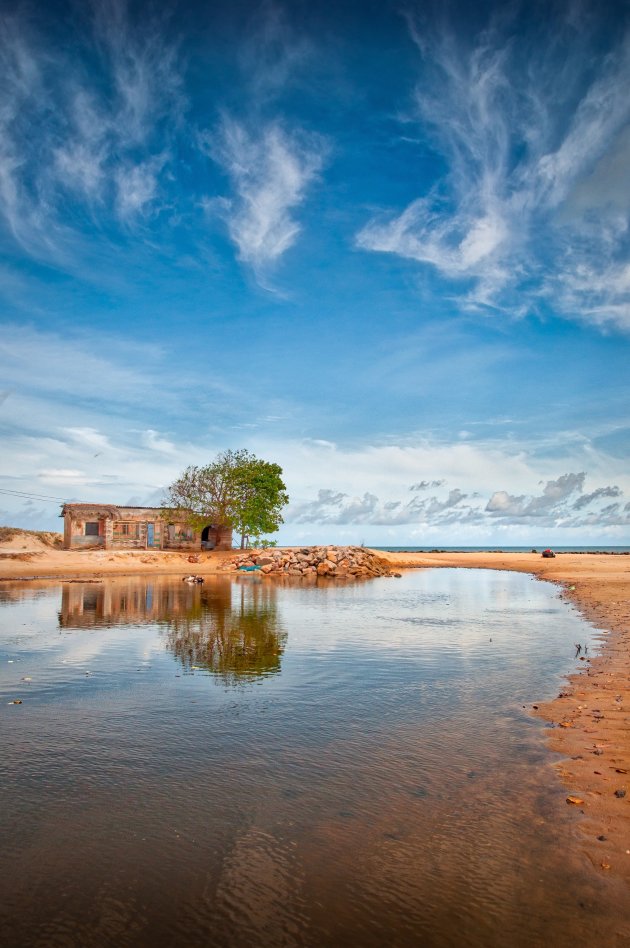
(136, 528)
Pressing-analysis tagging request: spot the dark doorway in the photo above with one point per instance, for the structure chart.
(208, 538)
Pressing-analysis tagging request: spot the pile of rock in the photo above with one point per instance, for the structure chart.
(334, 562)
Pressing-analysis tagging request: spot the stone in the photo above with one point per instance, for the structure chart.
(340, 563)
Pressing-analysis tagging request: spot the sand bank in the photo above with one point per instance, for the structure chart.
(591, 716)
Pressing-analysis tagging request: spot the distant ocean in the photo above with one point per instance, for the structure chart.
(502, 549)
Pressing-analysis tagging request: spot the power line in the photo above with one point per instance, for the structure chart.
(23, 493)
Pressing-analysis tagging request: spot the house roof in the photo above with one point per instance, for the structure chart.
(111, 506)
(109, 511)
(99, 510)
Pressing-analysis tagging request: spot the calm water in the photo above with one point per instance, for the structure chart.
(246, 764)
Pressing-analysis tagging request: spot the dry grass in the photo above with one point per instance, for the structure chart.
(50, 539)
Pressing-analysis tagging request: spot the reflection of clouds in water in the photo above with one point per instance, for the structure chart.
(232, 631)
(25, 605)
(85, 648)
(452, 609)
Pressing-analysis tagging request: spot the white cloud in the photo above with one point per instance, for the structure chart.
(335, 507)
(80, 417)
(373, 493)
(89, 437)
(105, 136)
(272, 55)
(60, 475)
(80, 364)
(137, 187)
(270, 163)
(144, 68)
(527, 151)
(598, 118)
(155, 442)
(586, 499)
(23, 95)
(556, 506)
(270, 169)
(596, 291)
(555, 492)
(81, 159)
(389, 493)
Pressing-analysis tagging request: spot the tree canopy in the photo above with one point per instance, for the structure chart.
(236, 490)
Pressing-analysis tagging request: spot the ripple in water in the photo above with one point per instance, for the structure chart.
(246, 764)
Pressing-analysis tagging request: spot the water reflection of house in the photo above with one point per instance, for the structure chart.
(229, 629)
(124, 601)
(136, 528)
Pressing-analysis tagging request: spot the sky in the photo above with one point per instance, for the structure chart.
(383, 244)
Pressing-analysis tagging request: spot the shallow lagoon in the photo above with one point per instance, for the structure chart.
(244, 763)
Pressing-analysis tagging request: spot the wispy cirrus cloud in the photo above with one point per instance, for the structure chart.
(23, 97)
(526, 131)
(272, 55)
(80, 362)
(270, 161)
(144, 68)
(104, 136)
(120, 132)
(270, 169)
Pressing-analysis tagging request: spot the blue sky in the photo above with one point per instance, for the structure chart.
(385, 245)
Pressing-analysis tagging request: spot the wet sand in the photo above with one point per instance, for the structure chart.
(590, 717)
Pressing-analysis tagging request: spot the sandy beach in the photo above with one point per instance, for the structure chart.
(590, 717)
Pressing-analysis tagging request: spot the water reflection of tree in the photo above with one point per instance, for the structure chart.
(232, 630)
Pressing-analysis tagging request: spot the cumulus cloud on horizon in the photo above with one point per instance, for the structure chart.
(560, 504)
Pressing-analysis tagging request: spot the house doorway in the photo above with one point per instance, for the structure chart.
(208, 538)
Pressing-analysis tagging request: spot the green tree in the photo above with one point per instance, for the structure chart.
(236, 490)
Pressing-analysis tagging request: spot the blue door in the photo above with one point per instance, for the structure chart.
(150, 534)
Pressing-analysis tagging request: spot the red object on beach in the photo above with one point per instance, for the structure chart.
(548, 554)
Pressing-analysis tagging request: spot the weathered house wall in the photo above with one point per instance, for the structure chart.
(89, 526)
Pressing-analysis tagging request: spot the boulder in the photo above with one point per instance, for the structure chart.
(333, 562)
